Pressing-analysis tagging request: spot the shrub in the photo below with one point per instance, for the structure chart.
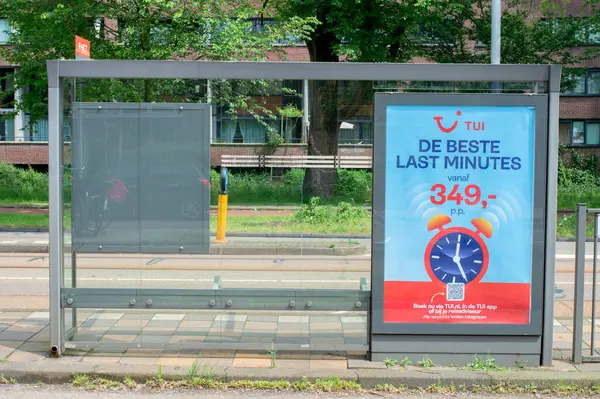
(354, 185)
(23, 184)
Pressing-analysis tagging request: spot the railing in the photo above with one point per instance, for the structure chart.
(297, 161)
(580, 302)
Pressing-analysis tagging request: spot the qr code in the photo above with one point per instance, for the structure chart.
(455, 292)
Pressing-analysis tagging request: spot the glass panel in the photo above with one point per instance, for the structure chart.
(564, 133)
(592, 134)
(295, 258)
(5, 31)
(578, 135)
(593, 82)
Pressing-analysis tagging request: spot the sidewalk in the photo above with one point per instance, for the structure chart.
(24, 343)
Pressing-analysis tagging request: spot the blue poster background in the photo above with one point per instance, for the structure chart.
(408, 190)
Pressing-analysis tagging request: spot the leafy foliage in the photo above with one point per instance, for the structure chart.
(132, 29)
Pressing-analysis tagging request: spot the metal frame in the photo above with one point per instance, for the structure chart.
(58, 70)
(540, 102)
(579, 304)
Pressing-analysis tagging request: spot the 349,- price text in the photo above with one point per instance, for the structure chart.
(471, 195)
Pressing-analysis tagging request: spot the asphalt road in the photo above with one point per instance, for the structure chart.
(24, 277)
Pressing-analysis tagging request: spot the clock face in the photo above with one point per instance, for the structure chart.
(457, 257)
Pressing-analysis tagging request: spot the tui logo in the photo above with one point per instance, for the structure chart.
(444, 129)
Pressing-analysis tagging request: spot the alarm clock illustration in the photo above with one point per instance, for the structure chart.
(457, 254)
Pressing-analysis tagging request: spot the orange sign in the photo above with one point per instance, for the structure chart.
(82, 48)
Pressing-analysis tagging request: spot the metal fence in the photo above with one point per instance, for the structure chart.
(583, 307)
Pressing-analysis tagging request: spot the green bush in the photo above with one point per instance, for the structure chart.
(354, 185)
(24, 185)
(315, 213)
(254, 189)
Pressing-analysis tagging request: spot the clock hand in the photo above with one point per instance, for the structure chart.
(457, 251)
(461, 270)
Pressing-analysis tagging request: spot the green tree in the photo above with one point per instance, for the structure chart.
(435, 30)
(134, 29)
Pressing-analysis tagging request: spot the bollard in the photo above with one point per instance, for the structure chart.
(222, 208)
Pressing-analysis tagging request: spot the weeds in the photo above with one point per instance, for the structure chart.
(478, 363)
(273, 353)
(7, 381)
(521, 363)
(129, 382)
(159, 375)
(405, 362)
(80, 380)
(390, 362)
(426, 363)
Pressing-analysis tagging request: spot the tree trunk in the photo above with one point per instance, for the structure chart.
(324, 125)
(322, 137)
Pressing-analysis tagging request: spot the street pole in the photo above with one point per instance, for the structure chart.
(496, 17)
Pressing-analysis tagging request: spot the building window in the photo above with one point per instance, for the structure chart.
(582, 84)
(579, 133)
(5, 31)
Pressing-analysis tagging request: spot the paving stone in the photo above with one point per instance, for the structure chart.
(118, 338)
(20, 356)
(15, 335)
(349, 320)
(6, 350)
(98, 323)
(231, 318)
(101, 359)
(195, 324)
(106, 316)
(296, 364)
(324, 319)
(38, 315)
(158, 331)
(130, 323)
(192, 332)
(35, 347)
(155, 339)
(294, 319)
(252, 325)
(328, 364)
(227, 325)
(265, 319)
(293, 326)
(291, 341)
(326, 341)
(13, 315)
(365, 364)
(186, 340)
(168, 317)
(251, 362)
(176, 361)
(163, 324)
(200, 317)
(139, 360)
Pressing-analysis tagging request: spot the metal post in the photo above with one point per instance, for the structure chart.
(579, 283)
(305, 111)
(496, 17)
(551, 192)
(594, 277)
(495, 43)
(55, 169)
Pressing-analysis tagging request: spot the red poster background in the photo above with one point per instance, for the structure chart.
(503, 303)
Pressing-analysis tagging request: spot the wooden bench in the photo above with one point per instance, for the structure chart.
(297, 161)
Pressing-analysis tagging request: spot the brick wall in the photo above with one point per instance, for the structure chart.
(37, 153)
(27, 153)
(580, 107)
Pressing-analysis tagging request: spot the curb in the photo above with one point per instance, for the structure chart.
(52, 371)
